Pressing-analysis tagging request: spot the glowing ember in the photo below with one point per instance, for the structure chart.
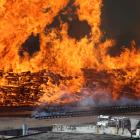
(64, 66)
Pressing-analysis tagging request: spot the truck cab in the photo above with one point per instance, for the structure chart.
(103, 120)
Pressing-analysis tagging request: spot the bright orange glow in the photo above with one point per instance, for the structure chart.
(80, 64)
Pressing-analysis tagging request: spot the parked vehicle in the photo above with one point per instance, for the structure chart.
(103, 120)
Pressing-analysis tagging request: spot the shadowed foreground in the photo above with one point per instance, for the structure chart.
(70, 136)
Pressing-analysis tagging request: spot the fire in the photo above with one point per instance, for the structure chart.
(67, 67)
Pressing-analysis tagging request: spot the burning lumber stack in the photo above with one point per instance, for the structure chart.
(24, 88)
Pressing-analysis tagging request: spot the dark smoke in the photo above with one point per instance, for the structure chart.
(31, 45)
(120, 21)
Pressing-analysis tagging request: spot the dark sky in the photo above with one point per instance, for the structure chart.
(121, 20)
(120, 16)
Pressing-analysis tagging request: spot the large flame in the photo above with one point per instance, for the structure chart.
(84, 65)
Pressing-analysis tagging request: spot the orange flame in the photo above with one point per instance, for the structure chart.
(64, 55)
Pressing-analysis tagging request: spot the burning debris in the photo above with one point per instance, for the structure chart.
(57, 53)
(26, 86)
(31, 88)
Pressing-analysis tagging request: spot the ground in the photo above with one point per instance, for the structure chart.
(70, 136)
(14, 122)
(17, 122)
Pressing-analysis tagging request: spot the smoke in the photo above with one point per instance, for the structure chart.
(101, 97)
(91, 102)
(119, 17)
(120, 21)
(94, 97)
(30, 46)
(127, 101)
(88, 101)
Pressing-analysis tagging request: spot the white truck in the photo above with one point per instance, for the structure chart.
(103, 120)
